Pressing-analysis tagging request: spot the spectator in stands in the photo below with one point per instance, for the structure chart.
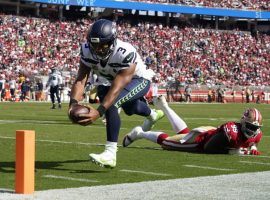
(230, 57)
(235, 4)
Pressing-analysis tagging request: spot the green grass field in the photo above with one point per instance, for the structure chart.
(62, 148)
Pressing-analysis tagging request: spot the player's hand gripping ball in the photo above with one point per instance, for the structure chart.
(76, 110)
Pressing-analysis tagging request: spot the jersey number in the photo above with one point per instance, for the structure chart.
(122, 50)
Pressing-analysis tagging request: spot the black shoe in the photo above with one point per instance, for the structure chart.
(53, 107)
(59, 106)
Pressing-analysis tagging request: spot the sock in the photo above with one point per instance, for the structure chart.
(177, 123)
(153, 114)
(113, 124)
(111, 147)
(150, 135)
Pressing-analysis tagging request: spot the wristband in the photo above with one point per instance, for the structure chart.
(101, 110)
(73, 101)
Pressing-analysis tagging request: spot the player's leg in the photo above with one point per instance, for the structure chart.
(161, 138)
(178, 124)
(108, 157)
(57, 92)
(138, 133)
(52, 93)
(132, 101)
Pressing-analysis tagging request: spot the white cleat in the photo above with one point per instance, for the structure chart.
(105, 159)
(132, 136)
(149, 122)
(161, 102)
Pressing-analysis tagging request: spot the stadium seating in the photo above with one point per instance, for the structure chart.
(196, 56)
(235, 4)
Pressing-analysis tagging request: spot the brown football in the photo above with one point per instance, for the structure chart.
(76, 111)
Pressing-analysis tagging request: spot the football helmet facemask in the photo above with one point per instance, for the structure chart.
(251, 122)
(101, 38)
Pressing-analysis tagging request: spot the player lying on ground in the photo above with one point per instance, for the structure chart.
(231, 137)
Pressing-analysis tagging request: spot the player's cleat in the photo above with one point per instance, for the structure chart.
(161, 102)
(149, 122)
(105, 159)
(59, 106)
(132, 136)
(53, 107)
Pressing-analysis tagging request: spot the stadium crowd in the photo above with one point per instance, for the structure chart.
(235, 4)
(31, 46)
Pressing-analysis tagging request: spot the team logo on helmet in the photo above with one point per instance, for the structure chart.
(251, 122)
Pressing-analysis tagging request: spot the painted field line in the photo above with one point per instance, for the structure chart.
(99, 144)
(258, 163)
(144, 172)
(64, 142)
(60, 142)
(45, 123)
(185, 189)
(70, 178)
(205, 167)
(255, 156)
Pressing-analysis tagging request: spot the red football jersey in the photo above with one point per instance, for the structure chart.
(236, 137)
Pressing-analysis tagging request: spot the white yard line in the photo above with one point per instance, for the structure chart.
(255, 156)
(60, 142)
(211, 168)
(251, 162)
(245, 186)
(45, 123)
(144, 172)
(70, 178)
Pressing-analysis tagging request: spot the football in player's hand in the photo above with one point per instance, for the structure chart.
(76, 110)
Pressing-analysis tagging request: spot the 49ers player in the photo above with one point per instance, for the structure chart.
(231, 137)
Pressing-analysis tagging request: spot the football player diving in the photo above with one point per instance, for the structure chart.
(118, 62)
(229, 138)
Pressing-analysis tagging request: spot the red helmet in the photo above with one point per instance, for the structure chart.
(251, 122)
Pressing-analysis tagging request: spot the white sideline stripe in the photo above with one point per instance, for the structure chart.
(144, 172)
(70, 178)
(258, 163)
(212, 168)
(206, 187)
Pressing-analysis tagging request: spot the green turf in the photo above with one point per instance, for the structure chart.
(62, 148)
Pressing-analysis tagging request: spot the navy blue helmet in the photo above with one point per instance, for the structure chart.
(101, 38)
